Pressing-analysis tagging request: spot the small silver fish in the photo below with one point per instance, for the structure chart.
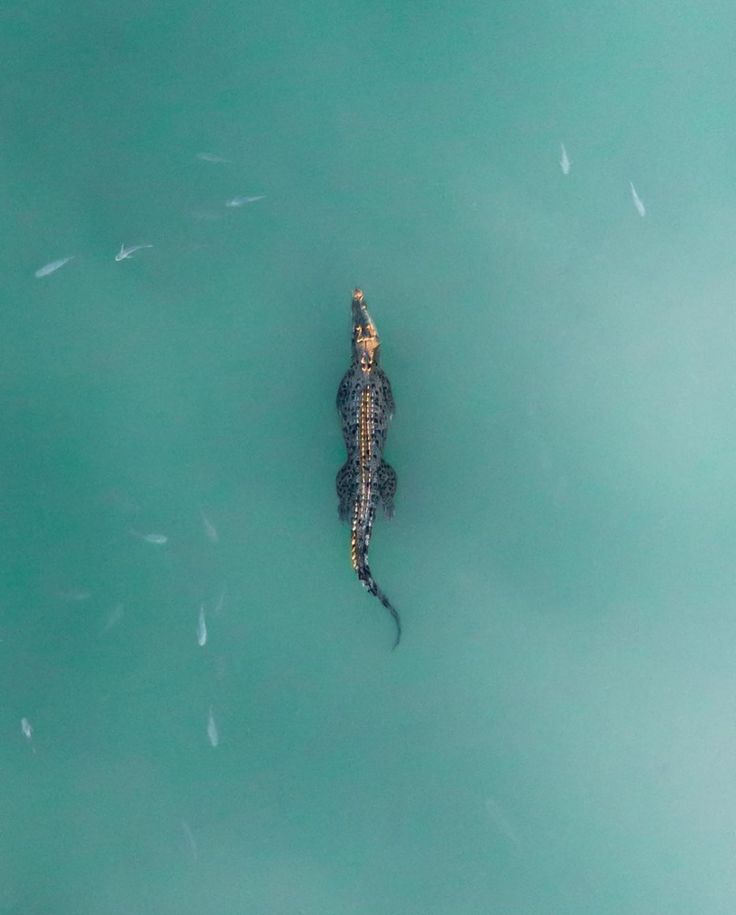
(210, 531)
(190, 840)
(75, 595)
(201, 628)
(212, 734)
(211, 157)
(158, 539)
(206, 215)
(52, 267)
(565, 162)
(125, 253)
(640, 208)
(243, 201)
(114, 617)
(220, 601)
(501, 821)
(26, 728)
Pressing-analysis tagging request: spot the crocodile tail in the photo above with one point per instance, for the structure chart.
(359, 553)
(369, 583)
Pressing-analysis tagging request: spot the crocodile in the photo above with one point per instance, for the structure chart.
(365, 481)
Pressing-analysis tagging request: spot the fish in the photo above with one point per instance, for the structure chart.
(26, 728)
(52, 267)
(640, 208)
(190, 840)
(501, 821)
(210, 531)
(211, 157)
(565, 162)
(365, 405)
(206, 215)
(124, 253)
(212, 734)
(75, 595)
(242, 201)
(220, 601)
(114, 617)
(158, 539)
(201, 628)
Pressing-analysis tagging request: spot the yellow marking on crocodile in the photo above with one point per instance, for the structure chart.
(362, 503)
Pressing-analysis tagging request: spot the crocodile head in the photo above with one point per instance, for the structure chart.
(366, 342)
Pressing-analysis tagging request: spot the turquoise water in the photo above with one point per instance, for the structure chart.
(557, 731)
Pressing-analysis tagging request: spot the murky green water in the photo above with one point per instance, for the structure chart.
(557, 731)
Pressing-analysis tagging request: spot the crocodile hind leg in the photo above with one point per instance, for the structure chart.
(345, 483)
(387, 487)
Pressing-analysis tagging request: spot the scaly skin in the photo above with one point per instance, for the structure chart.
(366, 406)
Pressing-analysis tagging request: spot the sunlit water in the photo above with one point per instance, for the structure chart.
(201, 711)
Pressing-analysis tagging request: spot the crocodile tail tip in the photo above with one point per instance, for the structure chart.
(395, 614)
